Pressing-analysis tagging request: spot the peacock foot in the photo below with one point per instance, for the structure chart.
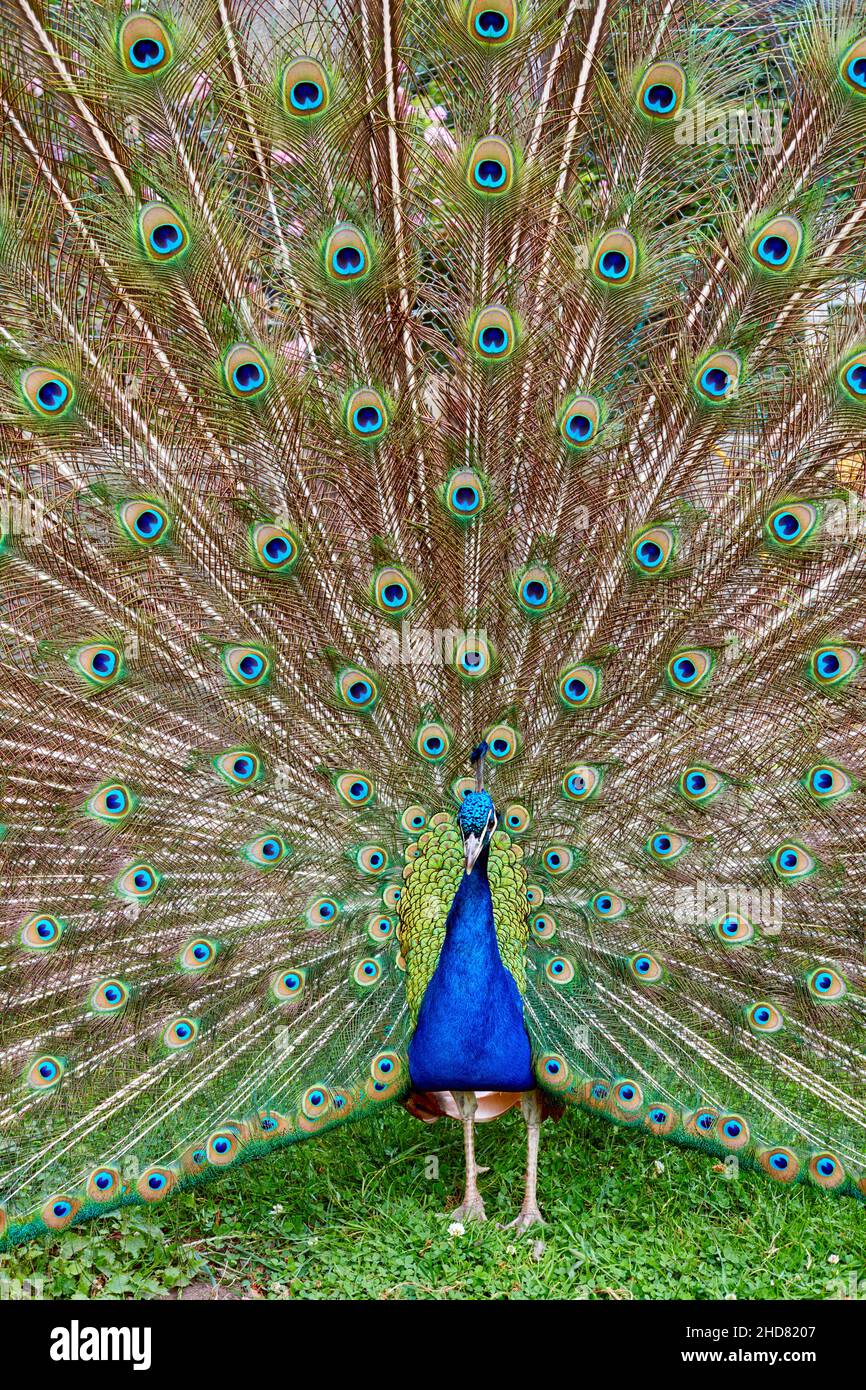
(470, 1209)
(526, 1217)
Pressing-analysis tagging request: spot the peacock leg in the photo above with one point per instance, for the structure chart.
(472, 1207)
(529, 1215)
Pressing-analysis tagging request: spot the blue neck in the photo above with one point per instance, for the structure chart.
(470, 1033)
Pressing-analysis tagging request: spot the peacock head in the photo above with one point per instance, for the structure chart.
(477, 816)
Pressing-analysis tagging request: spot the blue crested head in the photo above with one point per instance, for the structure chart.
(476, 810)
(477, 815)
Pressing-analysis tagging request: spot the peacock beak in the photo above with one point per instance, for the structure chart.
(472, 847)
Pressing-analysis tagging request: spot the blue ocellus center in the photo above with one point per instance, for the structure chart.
(148, 524)
(52, 394)
(166, 237)
(306, 96)
(466, 498)
(103, 663)
(248, 376)
(147, 53)
(348, 260)
(367, 419)
(774, 249)
(494, 339)
(491, 24)
(828, 664)
(660, 98)
(715, 381)
(490, 173)
(614, 264)
(856, 378)
(579, 427)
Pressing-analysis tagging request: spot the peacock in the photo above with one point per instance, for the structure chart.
(432, 599)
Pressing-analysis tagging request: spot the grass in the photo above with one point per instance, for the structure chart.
(359, 1214)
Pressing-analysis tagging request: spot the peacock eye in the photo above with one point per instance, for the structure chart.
(615, 260)
(198, 955)
(777, 245)
(536, 590)
(503, 743)
(45, 1073)
(357, 689)
(826, 782)
(826, 1170)
(492, 23)
(100, 663)
(432, 741)
(666, 845)
(494, 335)
(355, 788)
(833, 665)
(853, 68)
(544, 926)
(559, 970)
(732, 1131)
(413, 820)
(138, 882)
(180, 1033)
(245, 372)
(393, 591)
(365, 415)
(662, 91)
(322, 912)
(144, 521)
(558, 859)
(491, 167)
(734, 930)
(717, 378)
(472, 657)
(246, 666)
(826, 985)
(792, 524)
(380, 928)
(47, 392)
(608, 905)
(764, 1018)
(347, 255)
(239, 767)
(645, 968)
(372, 859)
(103, 1185)
(111, 803)
(516, 818)
(690, 670)
(700, 784)
(661, 1119)
(288, 985)
(144, 45)
(580, 421)
(582, 783)
(367, 972)
(109, 997)
(627, 1096)
(266, 851)
(653, 549)
(305, 88)
(579, 686)
(464, 495)
(792, 861)
(164, 236)
(41, 933)
(852, 375)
